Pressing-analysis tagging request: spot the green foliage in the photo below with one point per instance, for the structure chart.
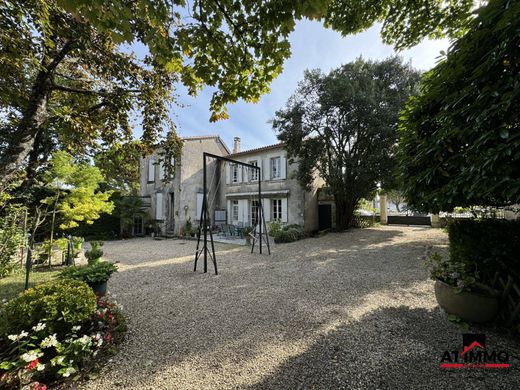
(78, 198)
(490, 245)
(289, 233)
(94, 254)
(460, 138)
(67, 82)
(274, 228)
(60, 303)
(119, 165)
(11, 237)
(458, 274)
(343, 126)
(91, 274)
(37, 357)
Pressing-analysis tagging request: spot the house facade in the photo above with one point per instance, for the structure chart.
(232, 189)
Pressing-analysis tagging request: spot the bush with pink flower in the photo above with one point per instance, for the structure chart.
(51, 349)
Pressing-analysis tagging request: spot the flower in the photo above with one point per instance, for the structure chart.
(39, 326)
(69, 370)
(49, 341)
(36, 386)
(31, 356)
(40, 367)
(32, 364)
(23, 334)
(76, 328)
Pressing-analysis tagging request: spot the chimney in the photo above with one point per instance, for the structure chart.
(236, 144)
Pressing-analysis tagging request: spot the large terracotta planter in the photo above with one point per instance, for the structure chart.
(469, 306)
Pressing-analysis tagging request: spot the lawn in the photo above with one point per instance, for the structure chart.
(12, 285)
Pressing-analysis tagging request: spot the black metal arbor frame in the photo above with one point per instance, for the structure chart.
(203, 225)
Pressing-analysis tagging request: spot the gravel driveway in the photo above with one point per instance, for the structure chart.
(353, 310)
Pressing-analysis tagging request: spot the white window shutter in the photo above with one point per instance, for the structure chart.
(266, 203)
(284, 210)
(264, 163)
(283, 168)
(229, 211)
(200, 198)
(228, 173)
(151, 169)
(159, 206)
(239, 175)
(162, 171)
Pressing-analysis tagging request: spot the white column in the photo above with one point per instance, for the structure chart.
(382, 209)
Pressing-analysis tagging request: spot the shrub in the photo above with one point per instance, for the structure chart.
(91, 274)
(60, 303)
(489, 245)
(274, 228)
(289, 235)
(35, 358)
(94, 254)
(298, 228)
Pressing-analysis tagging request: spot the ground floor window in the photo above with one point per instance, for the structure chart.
(254, 212)
(138, 225)
(276, 209)
(234, 210)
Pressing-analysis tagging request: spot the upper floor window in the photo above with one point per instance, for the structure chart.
(234, 173)
(276, 167)
(253, 172)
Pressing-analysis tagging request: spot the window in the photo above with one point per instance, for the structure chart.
(151, 170)
(254, 212)
(234, 171)
(276, 209)
(276, 167)
(234, 210)
(253, 172)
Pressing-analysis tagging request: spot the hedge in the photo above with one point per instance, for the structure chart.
(491, 245)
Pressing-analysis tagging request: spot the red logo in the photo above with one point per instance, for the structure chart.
(474, 355)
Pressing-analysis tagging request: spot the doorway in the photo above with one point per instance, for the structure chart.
(324, 216)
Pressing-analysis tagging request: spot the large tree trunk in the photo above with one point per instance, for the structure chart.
(33, 118)
(32, 121)
(344, 213)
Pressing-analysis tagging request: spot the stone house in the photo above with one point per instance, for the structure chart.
(232, 189)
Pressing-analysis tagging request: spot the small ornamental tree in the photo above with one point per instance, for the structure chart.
(460, 138)
(343, 127)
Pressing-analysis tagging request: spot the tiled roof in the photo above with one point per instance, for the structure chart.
(261, 149)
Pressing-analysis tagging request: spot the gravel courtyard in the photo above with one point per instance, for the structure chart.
(353, 310)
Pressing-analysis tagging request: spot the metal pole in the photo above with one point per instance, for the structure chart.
(205, 224)
(259, 216)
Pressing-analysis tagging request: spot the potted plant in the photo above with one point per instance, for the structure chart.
(96, 275)
(94, 254)
(247, 234)
(459, 291)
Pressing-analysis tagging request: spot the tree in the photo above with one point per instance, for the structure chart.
(460, 138)
(67, 80)
(343, 127)
(397, 198)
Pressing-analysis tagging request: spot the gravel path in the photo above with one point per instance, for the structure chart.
(353, 310)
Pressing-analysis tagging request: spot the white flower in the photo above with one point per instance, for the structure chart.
(13, 337)
(39, 326)
(31, 355)
(40, 367)
(76, 328)
(68, 371)
(49, 341)
(23, 334)
(100, 342)
(84, 340)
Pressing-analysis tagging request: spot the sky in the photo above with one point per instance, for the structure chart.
(313, 46)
